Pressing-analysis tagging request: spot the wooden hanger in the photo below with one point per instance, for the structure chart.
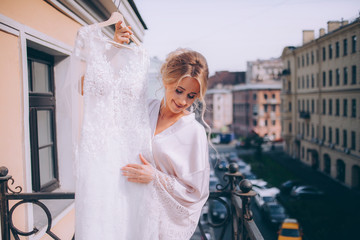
(114, 18)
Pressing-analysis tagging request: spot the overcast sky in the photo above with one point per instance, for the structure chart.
(231, 32)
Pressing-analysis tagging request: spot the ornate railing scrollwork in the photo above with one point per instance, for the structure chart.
(7, 194)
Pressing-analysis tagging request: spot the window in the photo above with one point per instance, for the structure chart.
(324, 53)
(303, 105)
(307, 105)
(298, 61)
(337, 136)
(353, 74)
(273, 122)
(330, 134)
(307, 130)
(324, 79)
(265, 96)
(299, 107)
(353, 44)
(42, 121)
(273, 96)
(312, 57)
(337, 77)
(330, 106)
(307, 81)
(312, 106)
(324, 106)
(290, 127)
(307, 59)
(344, 138)
(273, 108)
(312, 80)
(254, 96)
(303, 82)
(324, 133)
(345, 47)
(337, 49)
(265, 107)
(330, 51)
(303, 128)
(299, 82)
(312, 131)
(353, 140)
(345, 106)
(330, 78)
(337, 107)
(254, 122)
(353, 108)
(345, 75)
(289, 106)
(302, 61)
(266, 122)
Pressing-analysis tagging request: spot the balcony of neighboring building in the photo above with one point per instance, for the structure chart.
(304, 114)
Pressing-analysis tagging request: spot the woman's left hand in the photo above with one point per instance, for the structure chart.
(139, 173)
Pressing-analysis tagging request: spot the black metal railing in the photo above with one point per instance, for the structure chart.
(7, 194)
(305, 114)
(235, 197)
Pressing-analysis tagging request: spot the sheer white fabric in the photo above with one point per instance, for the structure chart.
(115, 129)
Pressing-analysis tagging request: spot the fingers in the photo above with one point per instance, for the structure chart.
(143, 160)
(118, 25)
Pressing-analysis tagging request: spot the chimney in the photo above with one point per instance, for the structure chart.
(333, 25)
(321, 32)
(308, 36)
(344, 22)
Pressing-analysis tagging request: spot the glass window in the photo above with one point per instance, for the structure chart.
(324, 134)
(307, 81)
(337, 136)
(330, 51)
(345, 46)
(345, 106)
(353, 108)
(353, 140)
(337, 107)
(254, 122)
(337, 77)
(330, 78)
(273, 108)
(265, 96)
(324, 79)
(330, 106)
(312, 131)
(273, 96)
(324, 106)
(312, 80)
(298, 61)
(312, 106)
(289, 106)
(307, 59)
(353, 44)
(337, 49)
(344, 138)
(273, 122)
(353, 74)
(303, 82)
(290, 127)
(345, 75)
(312, 57)
(266, 122)
(254, 96)
(302, 61)
(330, 134)
(42, 121)
(324, 54)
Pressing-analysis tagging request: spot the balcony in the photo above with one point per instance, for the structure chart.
(304, 114)
(286, 72)
(237, 194)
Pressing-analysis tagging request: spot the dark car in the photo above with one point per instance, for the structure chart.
(222, 165)
(306, 192)
(217, 211)
(287, 186)
(274, 213)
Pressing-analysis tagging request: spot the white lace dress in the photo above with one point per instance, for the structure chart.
(115, 129)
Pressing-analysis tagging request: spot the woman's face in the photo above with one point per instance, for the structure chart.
(180, 96)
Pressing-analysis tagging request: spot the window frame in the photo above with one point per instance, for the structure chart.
(39, 102)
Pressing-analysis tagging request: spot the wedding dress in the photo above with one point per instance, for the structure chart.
(115, 129)
(118, 123)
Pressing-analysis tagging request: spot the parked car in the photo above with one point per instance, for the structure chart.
(306, 192)
(288, 185)
(274, 213)
(261, 185)
(217, 211)
(212, 183)
(249, 175)
(264, 196)
(290, 230)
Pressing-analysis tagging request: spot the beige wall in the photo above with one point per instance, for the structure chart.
(41, 16)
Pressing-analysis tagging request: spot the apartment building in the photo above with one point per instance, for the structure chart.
(264, 70)
(257, 108)
(37, 39)
(321, 99)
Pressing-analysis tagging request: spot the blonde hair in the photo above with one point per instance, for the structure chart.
(183, 63)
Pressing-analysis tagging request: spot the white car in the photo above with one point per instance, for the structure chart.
(264, 196)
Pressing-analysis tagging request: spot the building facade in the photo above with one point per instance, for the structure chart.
(37, 39)
(321, 99)
(257, 108)
(262, 71)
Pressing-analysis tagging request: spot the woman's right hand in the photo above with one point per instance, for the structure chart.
(122, 34)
